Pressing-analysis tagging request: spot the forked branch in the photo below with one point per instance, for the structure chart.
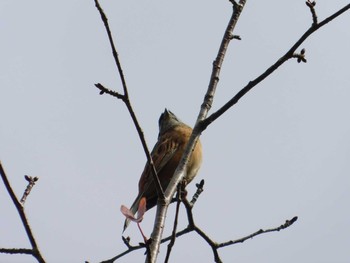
(203, 122)
(291, 53)
(125, 98)
(192, 227)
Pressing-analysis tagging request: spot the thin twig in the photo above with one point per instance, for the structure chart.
(198, 192)
(131, 248)
(214, 245)
(16, 251)
(125, 98)
(287, 224)
(311, 5)
(193, 227)
(35, 249)
(173, 235)
(114, 50)
(113, 93)
(31, 182)
(300, 56)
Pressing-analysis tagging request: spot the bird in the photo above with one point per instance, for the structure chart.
(166, 155)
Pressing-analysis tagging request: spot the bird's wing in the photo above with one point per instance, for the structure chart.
(162, 152)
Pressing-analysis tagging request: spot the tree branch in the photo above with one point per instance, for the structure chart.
(35, 252)
(16, 251)
(31, 182)
(287, 224)
(162, 205)
(203, 122)
(215, 246)
(311, 5)
(288, 55)
(125, 98)
(173, 235)
(192, 227)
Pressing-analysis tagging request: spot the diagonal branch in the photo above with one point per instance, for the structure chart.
(215, 246)
(125, 98)
(20, 209)
(31, 182)
(288, 55)
(287, 224)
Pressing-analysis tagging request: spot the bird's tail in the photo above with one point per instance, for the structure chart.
(134, 207)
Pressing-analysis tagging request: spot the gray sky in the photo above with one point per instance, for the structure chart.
(282, 151)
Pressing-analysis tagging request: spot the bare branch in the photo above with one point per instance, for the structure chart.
(311, 5)
(173, 235)
(214, 245)
(288, 55)
(125, 98)
(114, 50)
(31, 183)
(110, 92)
(16, 251)
(35, 249)
(287, 224)
(236, 37)
(162, 205)
(203, 122)
(192, 227)
(197, 193)
(300, 56)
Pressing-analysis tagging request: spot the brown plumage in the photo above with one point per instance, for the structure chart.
(166, 154)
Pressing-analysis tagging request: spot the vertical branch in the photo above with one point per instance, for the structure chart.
(114, 51)
(173, 235)
(35, 249)
(217, 64)
(162, 205)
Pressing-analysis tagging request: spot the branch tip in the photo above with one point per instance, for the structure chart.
(197, 193)
(300, 56)
(113, 93)
(292, 221)
(31, 182)
(234, 3)
(311, 5)
(126, 241)
(237, 37)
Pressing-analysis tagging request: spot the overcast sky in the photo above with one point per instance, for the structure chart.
(282, 151)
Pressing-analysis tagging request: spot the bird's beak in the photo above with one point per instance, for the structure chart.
(166, 113)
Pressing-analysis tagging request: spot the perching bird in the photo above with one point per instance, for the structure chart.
(166, 154)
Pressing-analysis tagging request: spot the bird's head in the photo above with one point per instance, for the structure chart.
(168, 120)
